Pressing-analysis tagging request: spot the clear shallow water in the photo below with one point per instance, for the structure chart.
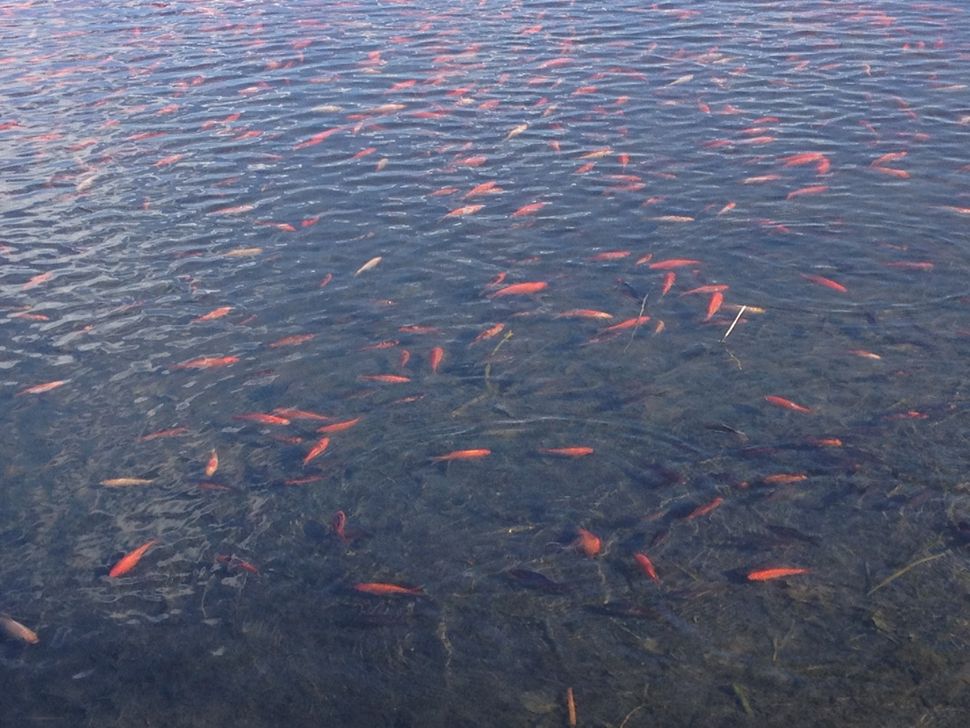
(159, 162)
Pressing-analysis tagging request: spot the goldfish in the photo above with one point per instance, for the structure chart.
(713, 288)
(243, 253)
(339, 524)
(417, 329)
(384, 378)
(776, 573)
(403, 358)
(704, 509)
(786, 403)
(673, 218)
(233, 560)
(783, 478)
(669, 279)
(292, 413)
(486, 188)
(207, 362)
(488, 333)
(571, 452)
(714, 305)
(628, 324)
(45, 387)
(233, 210)
(382, 589)
(584, 313)
(516, 130)
(462, 455)
(262, 418)
(864, 354)
(647, 565)
(517, 289)
(892, 171)
(317, 138)
(888, 157)
(810, 190)
(170, 432)
(369, 265)
(529, 209)
(37, 280)
(436, 357)
(317, 449)
(15, 630)
(465, 210)
(213, 465)
(644, 259)
(294, 340)
(588, 542)
(339, 426)
(130, 560)
(214, 314)
(673, 263)
(124, 482)
(611, 255)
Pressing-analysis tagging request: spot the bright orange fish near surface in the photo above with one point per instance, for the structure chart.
(339, 426)
(384, 378)
(786, 404)
(462, 455)
(706, 508)
(521, 289)
(317, 449)
(214, 314)
(488, 333)
(669, 279)
(435, 359)
(531, 208)
(262, 418)
(130, 560)
(45, 387)
(647, 565)
(777, 573)
(714, 305)
(826, 282)
(213, 465)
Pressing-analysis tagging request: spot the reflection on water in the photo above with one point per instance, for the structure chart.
(445, 358)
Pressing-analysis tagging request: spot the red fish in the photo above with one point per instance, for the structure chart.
(294, 340)
(213, 465)
(317, 138)
(317, 449)
(437, 355)
(529, 209)
(45, 387)
(569, 452)
(783, 478)
(669, 279)
(262, 419)
(628, 324)
(714, 305)
(518, 289)
(588, 542)
(703, 510)
(214, 314)
(462, 455)
(611, 255)
(130, 560)
(647, 565)
(382, 589)
(489, 333)
(786, 403)
(810, 190)
(339, 426)
(207, 362)
(384, 378)
(777, 573)
(293, 413)
(673, 263)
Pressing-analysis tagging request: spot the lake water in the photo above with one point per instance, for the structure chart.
(227, 225)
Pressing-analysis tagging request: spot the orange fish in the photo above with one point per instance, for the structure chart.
(713, 288)
(892, 171)
(317, 138)
(810, 190)
(339, 426)
(293, 413)
(381, 589)
(262, 419)
(207, 362)
(569, 452)
(777, 573)
(786, 403)
(403, 358)
(827, 282)
(465, 210)
(628, 324)
(213, 465)
(45, 387)
(517, 289)
(669, 279)
(485, 188)
(647, 565)
(291, 340)
(214, 314)
(130, 560)
(588, 542)
(386, 344)
(611, 255)
(783, 478)
(437, 355)
(15, 630)
(717, 298)
(317, 449)
(417, 329)
(384, 378)
(489, 333)
(673, 263)
(584, 313)
(462, 455)
(703, 510)
(37, 280)
(529, 209)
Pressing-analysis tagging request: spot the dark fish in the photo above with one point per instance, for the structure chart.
(792, 534)
(623, 608)
(537, 581)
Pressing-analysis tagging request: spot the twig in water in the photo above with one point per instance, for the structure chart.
(733, 324)
(890, 579)
(643, 305)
